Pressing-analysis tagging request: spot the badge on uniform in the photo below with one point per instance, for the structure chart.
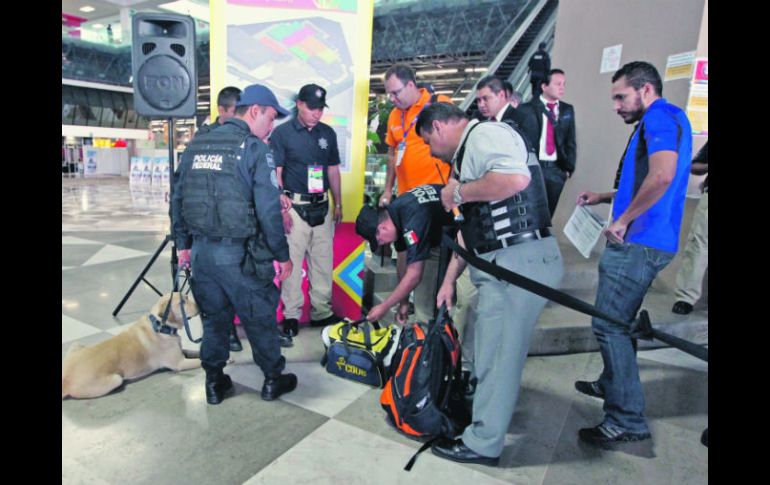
(411, 238)
(400, 153)
(315, 181)
(323, 143)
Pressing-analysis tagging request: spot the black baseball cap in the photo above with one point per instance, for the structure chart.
(313, 95)
(262, 96)
(366, 225)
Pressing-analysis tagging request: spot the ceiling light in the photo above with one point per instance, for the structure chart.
(97, 26)
(436, 71)
(87, 9)
(185, 7)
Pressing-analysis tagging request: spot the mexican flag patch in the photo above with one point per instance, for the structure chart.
(411, 238)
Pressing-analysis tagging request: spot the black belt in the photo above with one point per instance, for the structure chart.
(548, 163)
(313, 198)
(519, 238)
(226, 240)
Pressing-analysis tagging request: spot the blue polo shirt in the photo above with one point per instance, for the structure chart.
(662, 127)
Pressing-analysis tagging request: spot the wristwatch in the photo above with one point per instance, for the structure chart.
(458, 199)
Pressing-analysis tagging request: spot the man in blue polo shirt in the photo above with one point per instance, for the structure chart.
(641, 240)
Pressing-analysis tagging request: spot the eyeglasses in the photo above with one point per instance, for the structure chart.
(397, 91)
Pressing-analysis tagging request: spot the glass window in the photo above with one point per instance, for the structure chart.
(94, 102)
(119, 107)
(142, 123)
(82, 111)
(108, 113)
(67, 106)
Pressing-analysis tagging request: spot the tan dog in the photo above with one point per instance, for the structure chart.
(136, 352)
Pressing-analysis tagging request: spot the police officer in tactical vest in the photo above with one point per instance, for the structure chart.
(498, 186)
(227, 224)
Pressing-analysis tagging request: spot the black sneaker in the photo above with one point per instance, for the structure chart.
(330, 320)
(291, 326)
(682, 308)
(275, 386)
(603, 434)
(285, 339)
(590, 388)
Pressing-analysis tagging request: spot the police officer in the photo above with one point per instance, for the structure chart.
(226, 100)
(497, 183)
(307, 158)
(227, 224)
(412, 221)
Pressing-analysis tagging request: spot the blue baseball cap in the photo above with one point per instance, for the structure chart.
(261, 95)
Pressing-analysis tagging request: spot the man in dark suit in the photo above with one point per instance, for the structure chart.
(492, 101)
(549, 125)
(539, 64)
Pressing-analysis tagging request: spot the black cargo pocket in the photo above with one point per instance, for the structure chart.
(264, 271)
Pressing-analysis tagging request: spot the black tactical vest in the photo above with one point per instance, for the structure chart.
(213, 200)
(489, 223)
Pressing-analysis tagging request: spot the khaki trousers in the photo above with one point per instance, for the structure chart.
(689, 278)
(315, 245)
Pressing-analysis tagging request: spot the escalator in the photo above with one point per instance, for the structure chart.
(512, 66)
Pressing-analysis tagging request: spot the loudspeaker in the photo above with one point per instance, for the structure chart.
(163, 65)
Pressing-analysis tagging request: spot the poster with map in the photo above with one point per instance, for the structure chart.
(285, 44)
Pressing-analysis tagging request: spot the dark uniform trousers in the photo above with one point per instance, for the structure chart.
(554, 178)
(221, 289)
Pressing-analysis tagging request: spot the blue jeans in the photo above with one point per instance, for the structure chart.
(626, 272)
(221, 289)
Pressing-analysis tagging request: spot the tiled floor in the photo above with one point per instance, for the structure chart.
(160, 430)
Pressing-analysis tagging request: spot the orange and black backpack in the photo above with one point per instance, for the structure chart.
(423, 397)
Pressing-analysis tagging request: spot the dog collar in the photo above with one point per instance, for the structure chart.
(161, 327)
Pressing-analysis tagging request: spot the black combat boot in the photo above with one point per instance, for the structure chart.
(218, 384)
(274, 386)
(291, 327)
(235, 342)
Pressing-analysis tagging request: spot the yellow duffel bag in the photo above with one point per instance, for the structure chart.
(359, 350)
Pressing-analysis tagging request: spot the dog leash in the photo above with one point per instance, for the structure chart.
(181, 304)
(640, 328)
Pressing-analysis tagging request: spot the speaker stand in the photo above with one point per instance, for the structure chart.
(166, 240)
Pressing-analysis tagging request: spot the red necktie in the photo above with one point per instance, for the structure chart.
(550, 144)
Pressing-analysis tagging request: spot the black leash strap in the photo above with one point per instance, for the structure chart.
(641, 328)
(181, 304)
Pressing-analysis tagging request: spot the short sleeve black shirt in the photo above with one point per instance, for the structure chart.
(295, 148)
(418, 216)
